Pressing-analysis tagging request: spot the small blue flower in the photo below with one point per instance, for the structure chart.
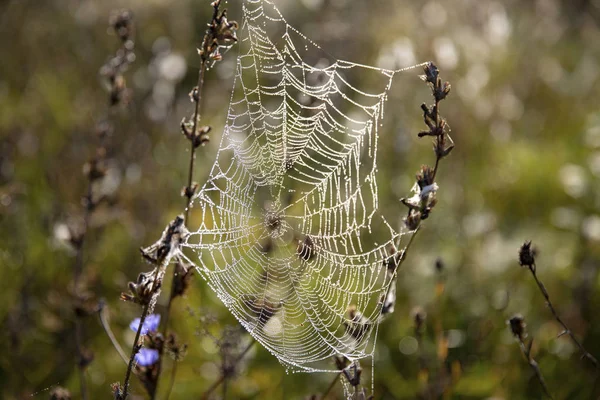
(150, 324)
(146, 357)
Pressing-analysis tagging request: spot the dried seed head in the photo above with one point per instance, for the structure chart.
(357, 325)
(181, 279)
(425, 176)
(527, 254)
(220, 33)
(176, 350)
(439, 265)
(517, 326)
(419, 317)
(168, 244)
(141, 291)
(122, 23)
(391, 262)
(195, 95)
(94, 169)
(413, 220)
(189, 191)
(431, 73)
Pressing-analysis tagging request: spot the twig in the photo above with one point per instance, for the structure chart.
(193, 145)
(94, 170)
(146, 291)
(172, 380)
(526, 350)
(527, 254)
(566, 330)
(109, 332)
(145, 311)
(219, 32)
(424, 199)
(517, 327)
(223, 377)
(188, 189)
(136, 347)
(81, 357)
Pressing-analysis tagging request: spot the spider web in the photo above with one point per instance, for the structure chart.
(290, 237)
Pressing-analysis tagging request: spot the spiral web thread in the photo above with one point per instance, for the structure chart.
(290, 237)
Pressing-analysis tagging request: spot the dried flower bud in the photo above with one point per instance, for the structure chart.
(186, 128)
(517, 326)
(413, 220)
(357, 325)
(167, 244)
(439, 265)
(203, 137)
(425, 176)
(122, 23)
(431, 73)
(220, 33)
(527, 255)
(391, 262)
(176, 350)
(181, 279)
(94, 169)
(446, 88)
(195, 95)
(419, 316)
(141, 291)
(189, 191)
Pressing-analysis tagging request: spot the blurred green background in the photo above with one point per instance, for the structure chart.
(525, 116)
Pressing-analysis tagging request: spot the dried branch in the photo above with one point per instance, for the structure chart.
(517, 327)
(225, 374)
(94, 170)
(220, 33)
(147, 289)
(527, 255)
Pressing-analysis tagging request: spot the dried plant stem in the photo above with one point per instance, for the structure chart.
(109, 333)
(223, 377)
(172, 380)
(188, 201)
(438, 138)
(566, 330)
(526, 350)
(77, 273)
(192, 144)
(134, 350)
(81, 367)
(138, 333)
